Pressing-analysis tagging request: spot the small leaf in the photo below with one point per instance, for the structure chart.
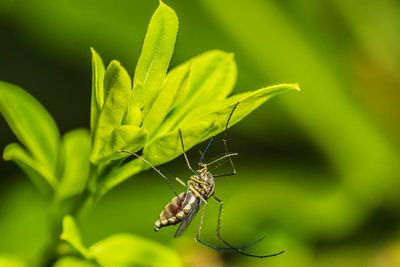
(74, 262)
(172, 89)
(97, 88)
(168, 147)
(212, 78)
(36, 171)
(115, 77)
(76, 152)
(125, 137)
(117, 93)
(218, 112)
(122, 250)
(133, 116)
(155, 56)
(31, 123)
(72, 235)
(8, 260)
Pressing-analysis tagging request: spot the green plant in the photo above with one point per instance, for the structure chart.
(145, 114)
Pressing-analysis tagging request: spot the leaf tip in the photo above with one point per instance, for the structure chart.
(11, 150)
(114, 63)
(6, 153)
(161, 4)
(93, 52)
(169, 11)
(296, 87)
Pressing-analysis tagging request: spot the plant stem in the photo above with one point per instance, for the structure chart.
(51, 254)
(80, 209)
(88, 199)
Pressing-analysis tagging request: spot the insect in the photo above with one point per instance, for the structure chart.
(199, 189)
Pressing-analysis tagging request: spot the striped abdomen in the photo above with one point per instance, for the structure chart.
(175, 210)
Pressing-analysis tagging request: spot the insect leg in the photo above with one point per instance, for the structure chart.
(184, 153)
(211, 245)
(238, 249)
(227, 154)
(154, 168)
(225, 140)
(196, 193)
(203, 154)
(180, 181)
(221, 158)
(204, 242)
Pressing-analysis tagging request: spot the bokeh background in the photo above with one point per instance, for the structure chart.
(318, 170)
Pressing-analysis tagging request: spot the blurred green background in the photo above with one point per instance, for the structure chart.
(318, 170)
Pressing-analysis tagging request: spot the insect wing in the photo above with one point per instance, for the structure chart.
(189, 217)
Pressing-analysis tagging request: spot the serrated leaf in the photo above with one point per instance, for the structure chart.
(172, 91)
(97, 100)
(117, 91)
(76, 153)
(212, 78)
(125, 137)
(31, 123)
(122, 250)
(74, 262)
(212, 120)
(72, 236)
(42, 177)
(155, 56)
(168, 147)
(218, 112)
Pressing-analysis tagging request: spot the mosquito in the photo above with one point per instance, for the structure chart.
(199, 189)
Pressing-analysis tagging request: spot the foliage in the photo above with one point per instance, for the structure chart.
(116, 250)
(11, 261)
(146, 114)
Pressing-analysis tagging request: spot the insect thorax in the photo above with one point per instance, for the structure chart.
(203, 183)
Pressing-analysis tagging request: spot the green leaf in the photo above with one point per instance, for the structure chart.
(155, 56)
(97, 88)
(72, 235)
(212, 78)
(124, 250)
(76, 164)
(218, 112)
(212, 119)
(124, 137)
(117, 91)
(173, 90)
(168, 147)
(42, 177)
(133, 116)
(74, 262)
(31, 123)
(8, 260)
